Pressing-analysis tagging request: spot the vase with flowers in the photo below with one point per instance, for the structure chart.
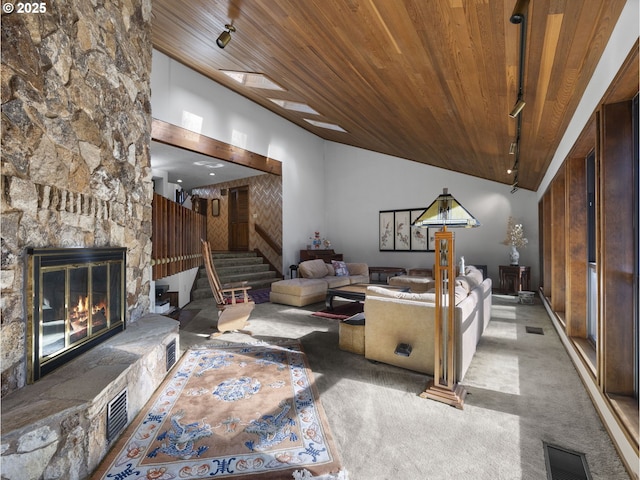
(515, 239)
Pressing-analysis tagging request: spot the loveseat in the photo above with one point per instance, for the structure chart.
(315, 277)
(394, 317)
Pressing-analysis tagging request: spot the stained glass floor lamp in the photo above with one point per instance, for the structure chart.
(445, 211)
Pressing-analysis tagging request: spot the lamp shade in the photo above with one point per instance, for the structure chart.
(446, 211)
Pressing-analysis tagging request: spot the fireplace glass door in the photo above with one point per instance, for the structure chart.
(77, 302)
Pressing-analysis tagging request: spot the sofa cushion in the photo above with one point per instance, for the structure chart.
(340, 268)
(385, 292)
(313, 268)
(333, 281)
(300, 286)
(416, 284)
(460, 293)
(358, 270)
(463, 282)
(474, 276)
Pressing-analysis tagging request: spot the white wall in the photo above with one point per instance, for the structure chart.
(233, 119)
(338, 190)
(360, 183)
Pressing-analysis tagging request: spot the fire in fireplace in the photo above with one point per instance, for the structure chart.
(76, 301)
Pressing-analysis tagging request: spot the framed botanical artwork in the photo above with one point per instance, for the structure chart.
(419, 235)
(397, 235)
(215, 207)
(386, 230)
(402, 230)
(432, 239)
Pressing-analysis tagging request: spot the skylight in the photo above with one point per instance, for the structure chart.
(296, 106)
(253, 80)
(330, 126)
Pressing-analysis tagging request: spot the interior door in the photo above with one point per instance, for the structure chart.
(239, 219)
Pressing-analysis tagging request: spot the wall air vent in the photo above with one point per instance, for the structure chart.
(171, 354)
(117, 415)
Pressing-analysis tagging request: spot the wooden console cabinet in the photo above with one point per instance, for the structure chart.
(326, 255)
(514, 278)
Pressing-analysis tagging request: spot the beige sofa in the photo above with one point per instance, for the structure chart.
(404, 317)
(315, 277)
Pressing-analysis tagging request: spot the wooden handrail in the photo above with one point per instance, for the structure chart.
(266, 260)
(265, 236)
(176, 234)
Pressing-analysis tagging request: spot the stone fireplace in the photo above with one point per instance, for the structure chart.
(75, 301)
(76, 175)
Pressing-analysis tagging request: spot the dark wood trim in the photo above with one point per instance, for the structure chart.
(576, 248)
(558, 233)
(546, 243)
(169, 134)
(266, 260)
(267, 238)
(616, 260)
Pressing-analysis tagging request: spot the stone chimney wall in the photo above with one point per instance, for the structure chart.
(76, 123)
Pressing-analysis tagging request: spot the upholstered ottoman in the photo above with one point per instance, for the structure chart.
(351, 334)
(298, 291)
(415, 284)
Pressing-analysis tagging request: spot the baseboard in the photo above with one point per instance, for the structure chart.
(627, 451)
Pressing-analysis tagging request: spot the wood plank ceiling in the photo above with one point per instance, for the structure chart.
(429, 81)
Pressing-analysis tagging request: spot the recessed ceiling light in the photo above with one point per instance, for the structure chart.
(212, 174)
(330, 126)
(297, 106)
(253, 80)
(204, 163)
(179, 181)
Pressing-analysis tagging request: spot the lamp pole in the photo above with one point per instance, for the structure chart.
(443, 387)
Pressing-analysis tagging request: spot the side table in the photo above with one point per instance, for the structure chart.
(514, 278)
(385, 271)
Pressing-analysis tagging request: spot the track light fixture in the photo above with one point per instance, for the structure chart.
(519, 11)
(514, 188)
(517, 108)
(225, 37)
(512, 170)
(513, 148)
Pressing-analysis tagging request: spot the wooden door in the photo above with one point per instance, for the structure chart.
(239, 219)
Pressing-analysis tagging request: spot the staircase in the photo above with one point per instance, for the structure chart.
(235, 267)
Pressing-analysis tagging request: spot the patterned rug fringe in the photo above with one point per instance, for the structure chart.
(306, 475)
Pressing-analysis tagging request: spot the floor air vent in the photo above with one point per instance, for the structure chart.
(171, 354)
(535, 330)
(563, 464)
(117, 415)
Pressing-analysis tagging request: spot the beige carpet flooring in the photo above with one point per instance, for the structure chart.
(522, 390)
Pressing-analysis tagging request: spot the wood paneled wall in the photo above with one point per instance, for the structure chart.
(558, 232)
(616, 253)
(176, 237)
(576, 248)
(610, 361)
(545, 259)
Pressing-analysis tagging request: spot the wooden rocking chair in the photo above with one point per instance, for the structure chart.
(233, 301)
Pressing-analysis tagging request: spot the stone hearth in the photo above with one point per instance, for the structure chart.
(57, 428)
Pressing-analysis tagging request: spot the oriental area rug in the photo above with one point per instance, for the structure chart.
(231, 411)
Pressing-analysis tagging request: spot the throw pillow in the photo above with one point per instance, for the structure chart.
(313, 269)
(475, 277)
(340, 268)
